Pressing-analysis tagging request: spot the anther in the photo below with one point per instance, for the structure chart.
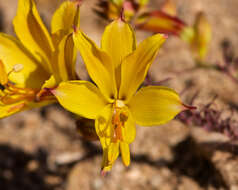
(18, 67)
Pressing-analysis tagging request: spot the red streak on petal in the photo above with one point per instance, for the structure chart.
(122, 15)
(16, 108)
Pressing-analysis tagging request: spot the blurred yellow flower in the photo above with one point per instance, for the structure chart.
(202, 36)
(118, 68)
(198, 37)
(37, 59)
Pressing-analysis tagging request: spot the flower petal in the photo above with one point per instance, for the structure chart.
(118, 41)
(160, 22)
(49, 83)
(70, 56)
(12, 53)
(155, 105)
(64, 59)
(104, 130)
(202, 37)
(129, 129)
(135, 67)
(3, 74)
(103, 125)
(65, 17)
(80, 97)
(105, 166)
(32, 32)
(125, 153)
(98, 64)
(8, 110)
(113, 152)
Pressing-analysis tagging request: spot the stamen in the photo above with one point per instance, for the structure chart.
(13, 88)
(11, 99)
(118, 120)
(18, 67)
(12, 94)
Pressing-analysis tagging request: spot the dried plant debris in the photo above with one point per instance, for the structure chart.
(211, 120)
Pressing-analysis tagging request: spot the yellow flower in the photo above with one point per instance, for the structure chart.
(118, 68)
(202, 37)
(37, 59)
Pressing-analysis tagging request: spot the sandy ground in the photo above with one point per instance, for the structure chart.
(41, 150)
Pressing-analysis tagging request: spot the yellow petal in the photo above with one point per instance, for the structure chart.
(135, 67)
(125, 153)
(64, 59)
(105, 132)
(70, 56)
(155, 105)
(129, 130)
(203, 34)
(159, 22)
(50, 83)
(3, 74)
(65, 17)
(118, 41)
(98, 64)
(32, 32)
(113, 152)
(13, 53)
(8, 110)
(80, 97)
(57, 37)
(103, 126)
(106, 166)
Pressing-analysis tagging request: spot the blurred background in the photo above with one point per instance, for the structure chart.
(41, 149)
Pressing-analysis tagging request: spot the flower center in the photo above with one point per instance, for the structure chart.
(119, 104)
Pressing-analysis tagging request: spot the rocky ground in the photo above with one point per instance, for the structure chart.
(41, 149)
